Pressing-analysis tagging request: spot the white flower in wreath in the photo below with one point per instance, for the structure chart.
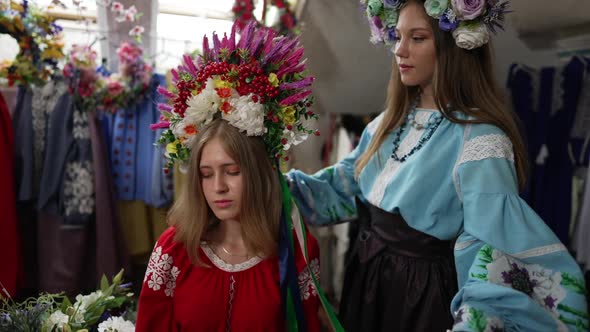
(203, 106)
(543, 285)
(471, 36)
(246, 115)
(116, 324)
(293, 137)
(182, 130)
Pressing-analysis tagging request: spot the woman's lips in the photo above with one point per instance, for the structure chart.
(222, 203)
(405, 68)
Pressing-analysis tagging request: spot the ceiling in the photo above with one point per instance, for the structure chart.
(542, 24)
(351, 73)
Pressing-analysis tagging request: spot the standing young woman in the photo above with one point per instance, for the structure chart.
(233, 259)
(441, 167)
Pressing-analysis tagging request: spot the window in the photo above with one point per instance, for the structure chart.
(182, 25)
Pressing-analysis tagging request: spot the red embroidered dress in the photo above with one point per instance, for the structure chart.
(179, 296)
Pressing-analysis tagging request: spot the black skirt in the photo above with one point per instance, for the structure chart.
(397, 278)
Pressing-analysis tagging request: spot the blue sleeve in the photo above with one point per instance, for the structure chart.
(327, 197)
(513, 272)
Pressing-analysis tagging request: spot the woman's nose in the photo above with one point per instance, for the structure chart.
(401, 49)
(220, 184)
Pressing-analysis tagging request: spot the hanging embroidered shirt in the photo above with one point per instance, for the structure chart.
(67, 182)
(42, 104)
(179, 296)
(132, 152)
(461, 185)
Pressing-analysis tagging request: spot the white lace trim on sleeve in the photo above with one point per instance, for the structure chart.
(486, 147)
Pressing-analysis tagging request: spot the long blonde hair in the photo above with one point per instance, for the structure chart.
(261, 198)
(464, 79)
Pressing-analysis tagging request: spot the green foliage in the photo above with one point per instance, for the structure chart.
(34, 314)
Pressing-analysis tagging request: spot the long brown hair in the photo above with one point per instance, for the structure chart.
(464, 79)
(261, 198)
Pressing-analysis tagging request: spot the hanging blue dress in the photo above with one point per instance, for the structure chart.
(132, 154)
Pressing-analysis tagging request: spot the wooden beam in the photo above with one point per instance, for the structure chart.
(71, 16)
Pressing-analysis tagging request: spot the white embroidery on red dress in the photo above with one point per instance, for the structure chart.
(160, 272)
(306, 284)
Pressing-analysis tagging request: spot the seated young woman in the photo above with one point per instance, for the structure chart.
(237, 256)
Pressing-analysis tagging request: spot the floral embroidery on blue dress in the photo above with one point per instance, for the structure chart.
(547, 287)
(477, 321)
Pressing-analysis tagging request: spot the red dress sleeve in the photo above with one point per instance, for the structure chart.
(309, 293)
(155, 308)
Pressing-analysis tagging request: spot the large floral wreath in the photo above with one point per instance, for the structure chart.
(39, 39)
(258, 85)
(244, 13)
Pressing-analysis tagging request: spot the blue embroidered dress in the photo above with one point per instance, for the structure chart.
(137, 166)
(512, 271)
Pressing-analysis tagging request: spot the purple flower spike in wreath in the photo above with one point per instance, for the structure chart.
(495, 15)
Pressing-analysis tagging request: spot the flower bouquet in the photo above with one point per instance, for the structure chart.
(108, 309)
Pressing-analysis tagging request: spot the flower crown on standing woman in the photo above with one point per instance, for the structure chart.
(257, 84)
(470, 21)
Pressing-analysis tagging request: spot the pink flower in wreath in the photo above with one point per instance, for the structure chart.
(468, 9)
